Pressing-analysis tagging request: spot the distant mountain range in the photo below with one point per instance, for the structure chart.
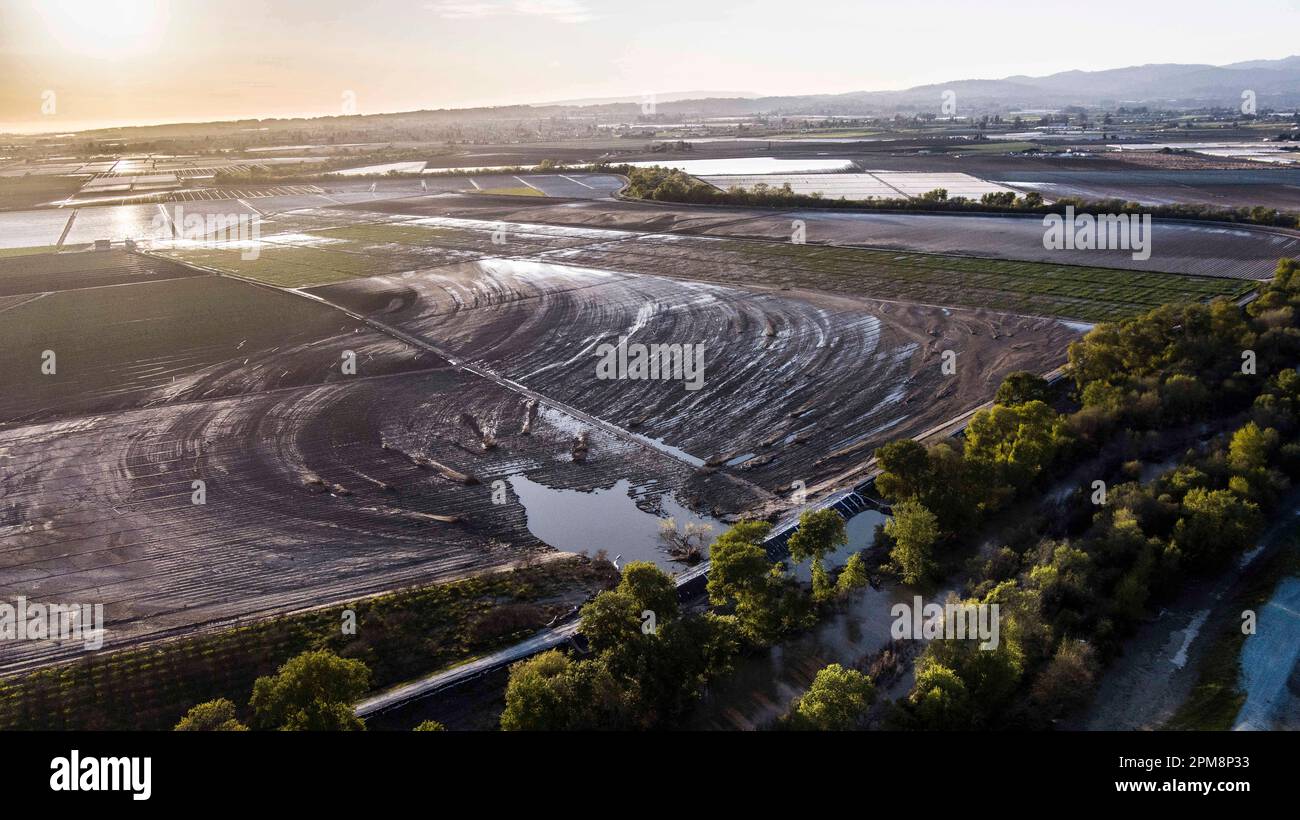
(1276, 84)
(1163, 86)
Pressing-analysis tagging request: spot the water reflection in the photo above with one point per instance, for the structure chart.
(603, 519)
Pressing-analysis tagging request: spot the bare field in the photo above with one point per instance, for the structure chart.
(175, 340)
(44, 272)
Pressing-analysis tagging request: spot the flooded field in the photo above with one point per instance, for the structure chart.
(795, 386)
(603, 519)
(1177, 247)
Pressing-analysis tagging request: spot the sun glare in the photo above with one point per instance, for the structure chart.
(105, 28)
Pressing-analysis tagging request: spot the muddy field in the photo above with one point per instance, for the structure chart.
(317, 484)
(313, 495)
(45, 273)
(795, 384)
(171, 340)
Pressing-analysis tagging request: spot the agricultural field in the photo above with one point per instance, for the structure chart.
(407, 243)
(1235, 251)
(163, 333)
(39, 270)
(410, 630)
(32, 191)
(1086, 294)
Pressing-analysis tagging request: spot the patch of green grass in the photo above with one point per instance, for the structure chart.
(1077, 292)
(400, 636)
(383, 234)
(1216, 698)
(522, 190)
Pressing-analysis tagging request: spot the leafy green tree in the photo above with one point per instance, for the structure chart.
(838, 700)
(651, 589)
(1184, 397)
(430, 726)
(990, 676)
(313, 691)
(738, 562)
(1016, 442)
(742, 577)
(957, 494)
(940, 478)
(1022, 387)
(1066, 684)
(682, 658)
(614, 618)
(939, 698)
(820, 533)
(551, 692)
(212, 716)
(855, 575)
(1215, 524)
(1063, 577)
(1251, 447)
(611, 619)
(905, 470)
(914, 530)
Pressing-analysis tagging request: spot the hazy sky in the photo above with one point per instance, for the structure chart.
(132, 61)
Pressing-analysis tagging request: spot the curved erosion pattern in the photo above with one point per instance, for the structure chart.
(795, 384)
(312, 495)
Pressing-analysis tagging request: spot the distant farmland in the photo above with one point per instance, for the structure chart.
(338, 253)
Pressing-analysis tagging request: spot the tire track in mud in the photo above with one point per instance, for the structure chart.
(486, 373)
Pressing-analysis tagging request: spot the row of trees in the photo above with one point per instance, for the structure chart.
(314, 691)
(671, 185)
(1067, 603)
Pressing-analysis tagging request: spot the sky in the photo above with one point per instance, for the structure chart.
(72, 64)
